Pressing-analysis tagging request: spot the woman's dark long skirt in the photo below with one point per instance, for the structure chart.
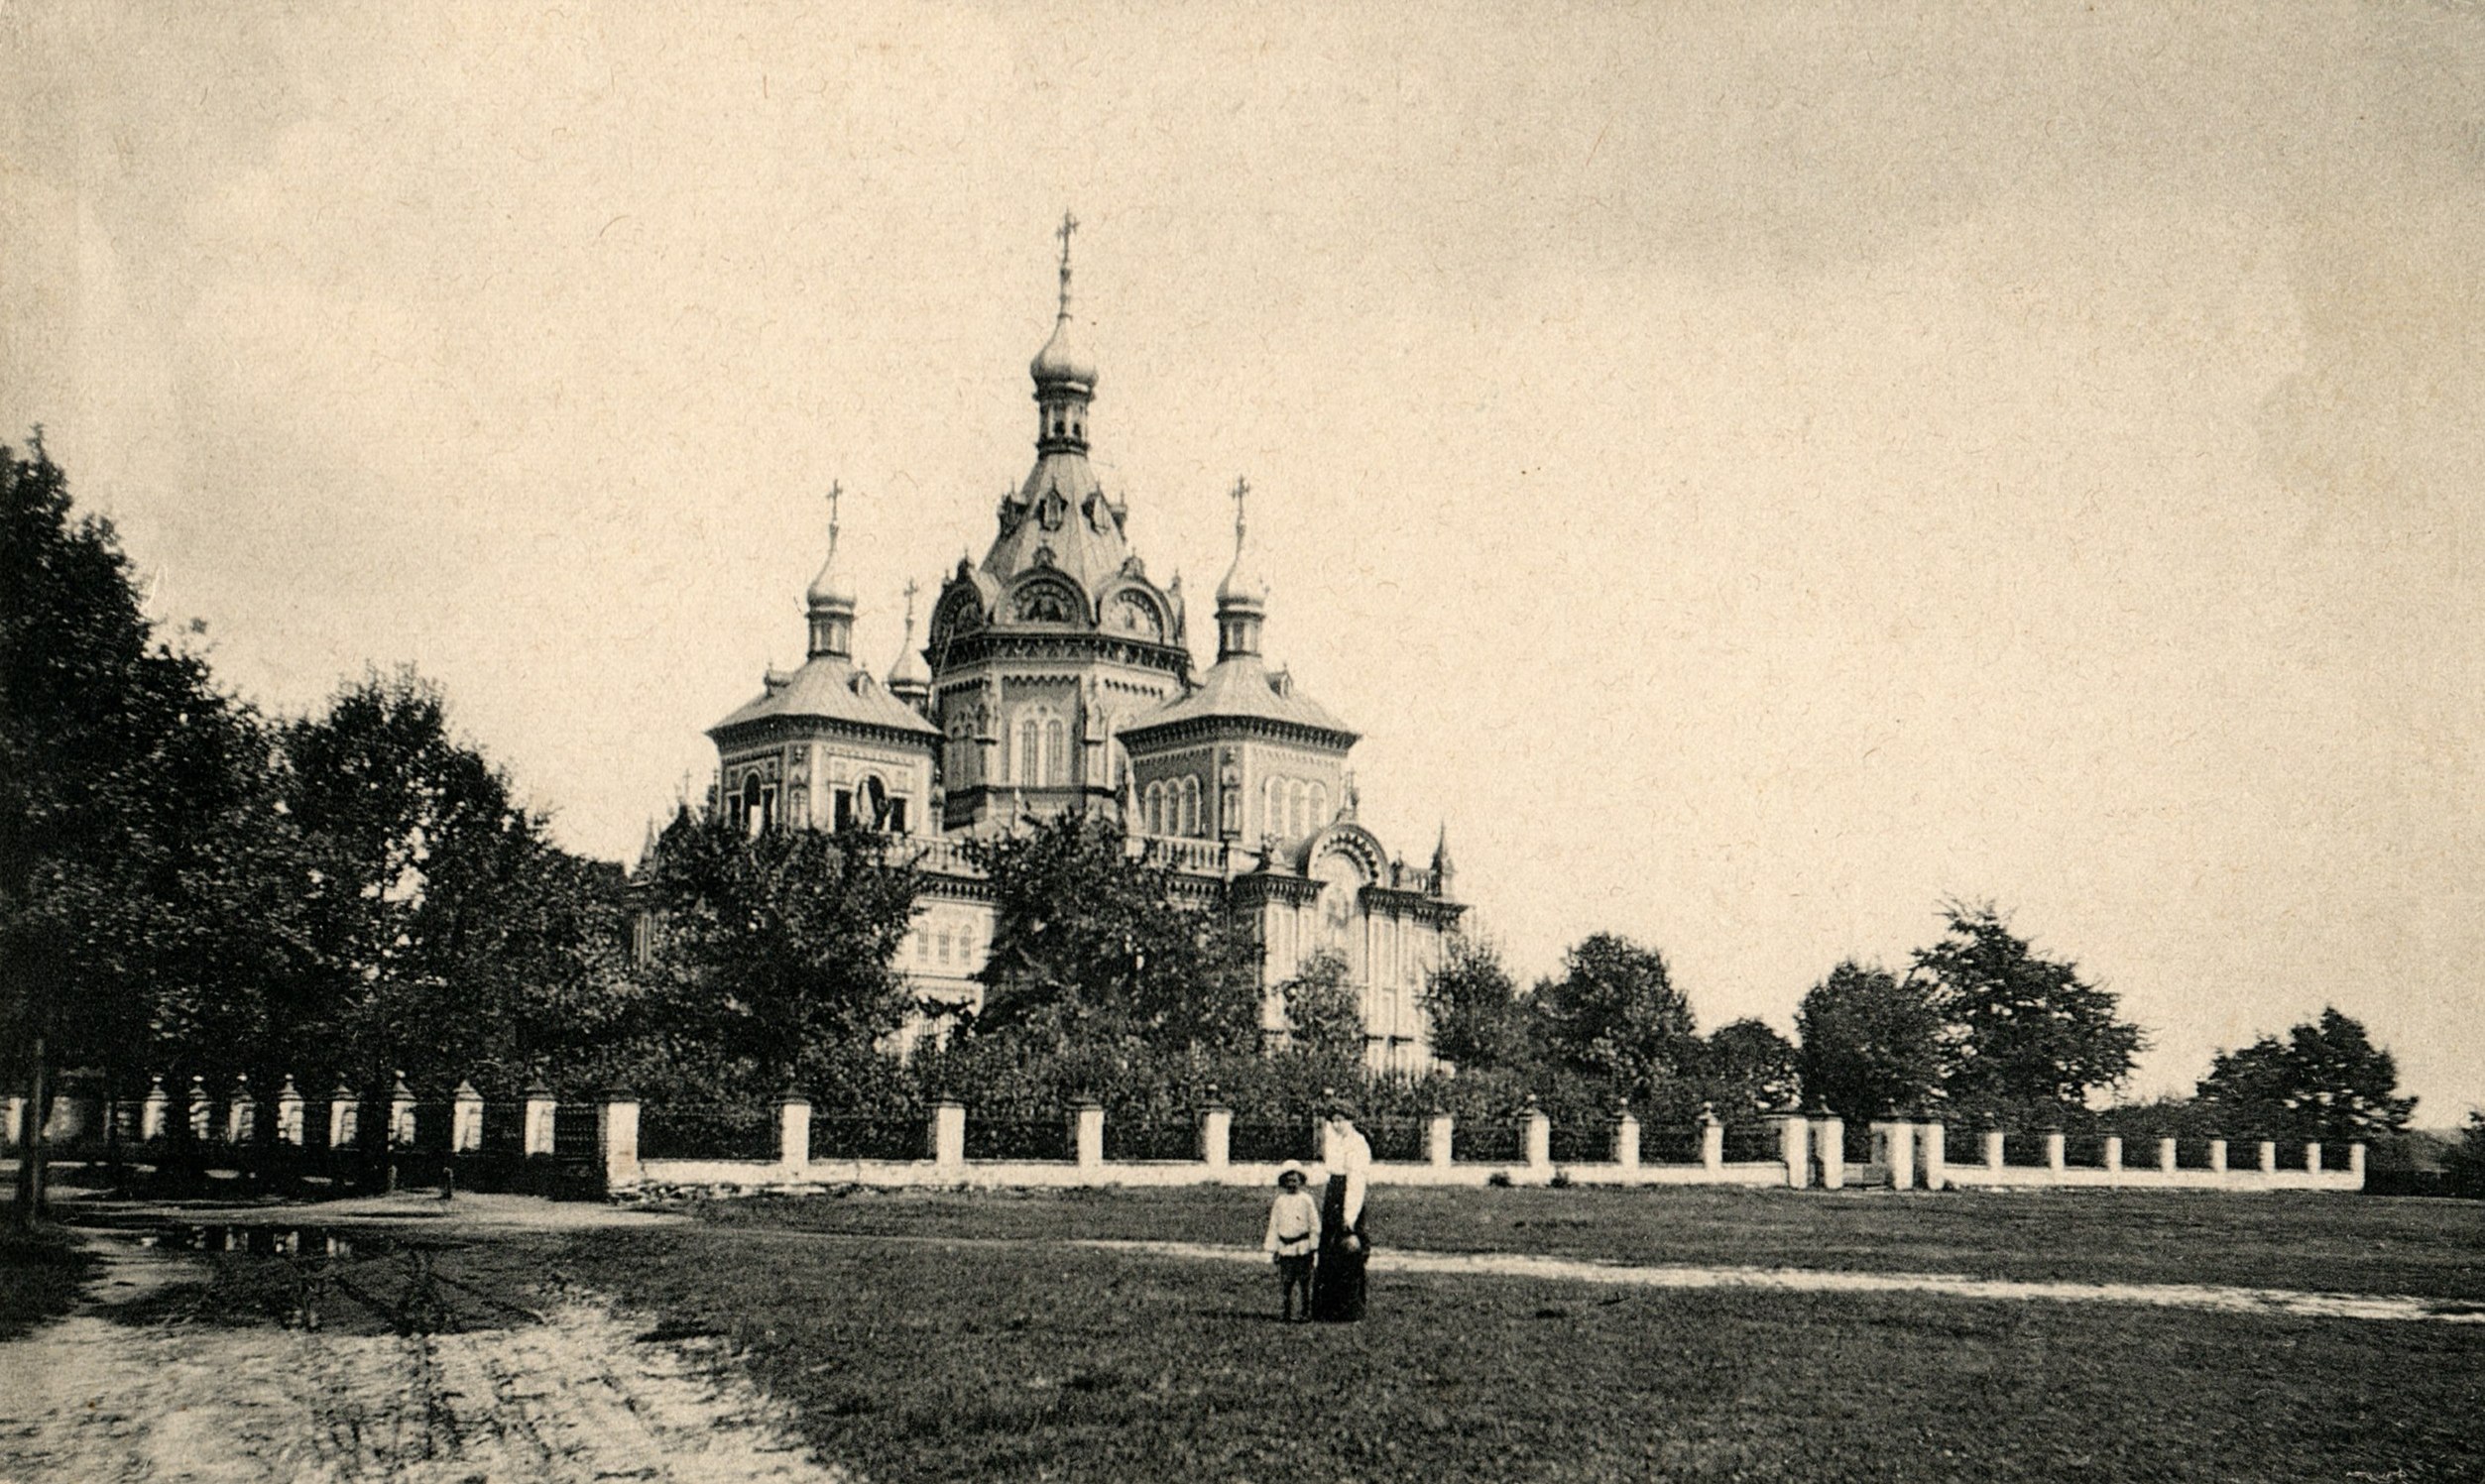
(1338, 1281)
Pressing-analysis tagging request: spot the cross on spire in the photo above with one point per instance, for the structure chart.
(1241, 488)
(913, 587)
(1069, 225)
(835, 490)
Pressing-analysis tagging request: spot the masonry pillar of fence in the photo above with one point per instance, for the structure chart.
(1828, 1143)
(240, 1113)
(1933, 1154)
(617, 1138)
(1437, 1140)
(793, 1130)
(1216, 1136)
(2313, 1158)
(2053, 1150)
(152, 1110)
(344, 1117)
(2268, 1156)
(1792, 1141)
(1087, 1133)
(2217, 1156)
(11, 1120)
(289, 1113)
(1626, 1139)
(2166, 1155)
(535, 1120)
(2355, 1162)
(201, 1116)
(1895, 1140)
(949, 1133)
(1536, 1139)
(1713, 1141)
(2114, 1154)
(465, 1119)
(1996, 1145)
(401, 1115)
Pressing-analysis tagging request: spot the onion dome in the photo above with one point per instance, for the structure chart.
(1243, 598)
(830, 598)
(1061, 362)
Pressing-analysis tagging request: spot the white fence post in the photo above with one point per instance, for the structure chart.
(1626, 1139)
(1536, 1141)
(1792, 1132)
(344, 1117)
(289, 1112)
(2166, 1155)
(1897, 1138)
(1996, 1148)
(1087, 1133)
(536, 1121)
(2355, 1162)
(1438, 1136)
(2114, 1153)
(152, 1110)
(465, 1118)
(2053, 1150)
(2268, 1156)
(949, 1134)
(1712, 1140)
(793, 1131)
(617, 1137)
(1828, 1140)
(2217, 1156)
(2312, 1157)
(240, 1113)
(1216, 1136)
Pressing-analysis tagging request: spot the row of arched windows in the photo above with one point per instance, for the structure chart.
(1171, 805)
(1291, 808)
(1044, 760)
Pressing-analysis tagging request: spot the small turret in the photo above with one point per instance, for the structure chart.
(910, 679)
(830, 598)
(1443, 869)
(1243, 598)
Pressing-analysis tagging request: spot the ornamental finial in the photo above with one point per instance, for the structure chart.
(1241, 488)
(1069, 225)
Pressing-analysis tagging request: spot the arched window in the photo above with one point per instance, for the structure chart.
(1297, 805)
(1320, 805)
(1056, 754)
(1030, 767)
(1159, 813)
(871, 801)
(1190, 806)
(754, 819)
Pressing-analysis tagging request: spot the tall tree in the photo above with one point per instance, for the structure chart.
(115, 753)
(1746, 1067)
(1322, 1014)
(1616, 1014)
(2032, 1034)
(1091, 943)
(1869, 1043)
(2324, 1080)
(778, 949)
(1474, 1007)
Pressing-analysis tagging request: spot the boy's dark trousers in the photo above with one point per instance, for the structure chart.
(1294, 1275)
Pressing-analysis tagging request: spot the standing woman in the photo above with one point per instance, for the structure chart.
(1337, 1281)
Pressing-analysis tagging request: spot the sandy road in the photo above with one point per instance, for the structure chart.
(574, 1399)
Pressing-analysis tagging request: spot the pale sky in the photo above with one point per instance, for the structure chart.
(1751, 472)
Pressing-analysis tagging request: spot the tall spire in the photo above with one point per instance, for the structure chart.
(830, 598)
(1064, 377)
(1241, 599)
(909, 680)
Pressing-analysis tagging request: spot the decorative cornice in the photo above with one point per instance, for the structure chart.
(1214, 726)
(797, 727)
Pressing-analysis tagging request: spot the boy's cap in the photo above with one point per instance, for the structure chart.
(1292, 1168)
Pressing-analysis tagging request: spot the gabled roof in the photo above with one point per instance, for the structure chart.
(1241, 687)
(831, 689)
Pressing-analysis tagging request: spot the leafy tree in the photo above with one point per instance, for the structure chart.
(1092, 944)
(1477, 1020)
(2324, 1080)
(2463, 1165)
(115, 753)
(1323, 1012)
(2032, 1035)
(1870, 1043)
(776, 954)
(1748, 1068)
(1616, 1014)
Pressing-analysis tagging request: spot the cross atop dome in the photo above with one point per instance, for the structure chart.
(1069, 225)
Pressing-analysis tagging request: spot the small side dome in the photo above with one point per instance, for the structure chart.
(1243, 586)
(830, 588)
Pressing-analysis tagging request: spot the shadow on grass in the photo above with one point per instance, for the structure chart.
(43, 1272)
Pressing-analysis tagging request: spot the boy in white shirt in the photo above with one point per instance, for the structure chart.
(1293, 1237)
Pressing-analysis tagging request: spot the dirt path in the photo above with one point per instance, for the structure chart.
(578, 1397)
(2213, 1297)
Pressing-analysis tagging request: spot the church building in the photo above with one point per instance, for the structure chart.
(1056, 675)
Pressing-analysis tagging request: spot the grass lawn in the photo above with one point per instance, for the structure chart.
(945, 1336)
(919, 1360)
